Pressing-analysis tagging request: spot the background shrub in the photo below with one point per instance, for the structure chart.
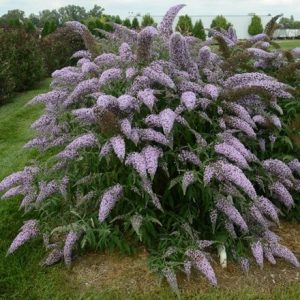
(147, 20)
(184, 24)
(135, 23)
(220, 22)
(198, 30)
(58, 48)
(21, 50)
(7, 84)
(255, 26)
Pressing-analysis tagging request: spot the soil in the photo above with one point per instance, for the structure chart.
(120, 273)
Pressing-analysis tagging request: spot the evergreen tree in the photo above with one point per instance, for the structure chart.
(220, 22)
(147, 20)
(184, 25)
(135, 23)
(198, 30)
(255, 26)
(127, 23)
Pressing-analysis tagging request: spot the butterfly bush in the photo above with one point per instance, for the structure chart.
(164, 144)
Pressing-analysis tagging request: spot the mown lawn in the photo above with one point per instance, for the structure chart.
(21, 277)
(288, 44)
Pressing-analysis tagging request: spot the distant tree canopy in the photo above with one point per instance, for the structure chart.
(198, 31)
(289, 23)
(220, 22)
(59, 17)
(184, 25)
(147, 20)
(255, 26)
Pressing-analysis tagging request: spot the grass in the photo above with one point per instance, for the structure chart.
(21, 276)
(288, 44)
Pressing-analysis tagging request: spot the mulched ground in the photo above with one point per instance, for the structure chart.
(129, 274)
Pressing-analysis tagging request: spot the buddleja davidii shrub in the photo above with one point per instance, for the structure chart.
(168, 146)
(58, 48)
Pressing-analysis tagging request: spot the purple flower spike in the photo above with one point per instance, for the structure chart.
(294, 165)
(238, 123)
(187, 180)
(258, 253)
(201, 263)
(165, 27)
(171, 279)
(232, 213)
(151, 155)
(138, 162)
(189, 157)
(70, 242)
(211, 91)
(118, 145)
(232, 154)
(108, 201)
(109, 76)
(225, 172)
(245, 264)
(167, 118)
(189, 100)
(282, 194)
(147, 97)
(278, 168)
(187, 268)
(283, 252)
(28, 231)
(152, 135)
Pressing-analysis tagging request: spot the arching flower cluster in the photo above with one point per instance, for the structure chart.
(135, 136)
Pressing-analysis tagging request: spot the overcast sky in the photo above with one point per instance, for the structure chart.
(158, 7)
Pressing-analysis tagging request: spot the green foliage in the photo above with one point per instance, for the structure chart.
(7, 84)
(58, 48)
(184, 25)
(72, 13)
(117, 20)
(127, 23)
(220, 22)
(135, 23)
(255, 26)
(147, 20)
(21, 50)
(198, 30)
(49, 27)
(289, 23)
(96, 11)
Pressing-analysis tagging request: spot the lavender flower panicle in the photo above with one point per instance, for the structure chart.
(151, 155)
(258, 253)
(165, 27)
(28, 231)
(118, 145)
(202, 264)
(187, 180)
(108, 201)
(171, 279)
(232, 154)
(71, 239)
(232, 213)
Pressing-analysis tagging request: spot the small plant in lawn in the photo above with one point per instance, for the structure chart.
(157, 145)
